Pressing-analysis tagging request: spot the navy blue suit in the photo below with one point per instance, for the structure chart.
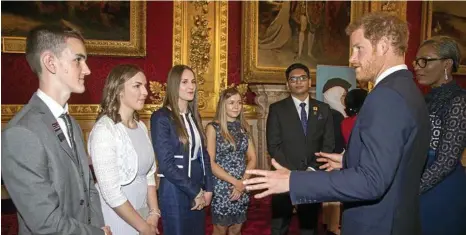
(177, 189)
(387, 150)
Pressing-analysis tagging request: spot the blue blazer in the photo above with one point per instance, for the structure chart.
(379, 184)
(172, 159)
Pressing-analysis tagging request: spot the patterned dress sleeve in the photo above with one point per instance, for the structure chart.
(451, 145)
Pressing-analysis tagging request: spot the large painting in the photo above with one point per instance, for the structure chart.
(446, 18)
(109, 27)
(279, 33)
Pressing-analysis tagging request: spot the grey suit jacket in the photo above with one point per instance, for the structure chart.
(51, 191)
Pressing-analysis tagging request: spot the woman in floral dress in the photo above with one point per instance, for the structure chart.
(231, 149)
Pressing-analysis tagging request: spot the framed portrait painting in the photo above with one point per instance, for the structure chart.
(279, 33)
(446, 18)
(111, 28)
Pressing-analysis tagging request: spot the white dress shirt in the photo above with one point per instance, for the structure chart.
(297, 103)
(56, 110)
(389, 71)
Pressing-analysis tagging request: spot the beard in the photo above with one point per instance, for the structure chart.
(368, 71)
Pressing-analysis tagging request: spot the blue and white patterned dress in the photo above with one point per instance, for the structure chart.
(224, 211)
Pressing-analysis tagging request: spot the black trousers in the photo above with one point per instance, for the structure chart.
(282, 212)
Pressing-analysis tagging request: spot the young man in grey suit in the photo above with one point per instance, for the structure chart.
(44, 162)
(380, 173)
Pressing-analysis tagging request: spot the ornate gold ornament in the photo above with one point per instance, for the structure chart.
(396, 7)
(158, 91)
(200, 40)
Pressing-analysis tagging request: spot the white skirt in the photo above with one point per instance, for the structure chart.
(136, 193)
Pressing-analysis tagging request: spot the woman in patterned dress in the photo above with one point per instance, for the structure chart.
(230, 146)
(443, 182)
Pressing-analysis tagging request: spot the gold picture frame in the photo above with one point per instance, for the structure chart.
(254, 73)
(134, 47)
(427, 20)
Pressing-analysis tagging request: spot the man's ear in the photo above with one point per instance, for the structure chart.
(49, 60)
(383, 45)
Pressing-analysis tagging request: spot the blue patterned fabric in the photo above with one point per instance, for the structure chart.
(303, 117)
(224, 211)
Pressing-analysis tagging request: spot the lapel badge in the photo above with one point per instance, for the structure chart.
(315, 109)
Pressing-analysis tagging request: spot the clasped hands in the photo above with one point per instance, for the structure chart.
(237, 189)
(278, 181)
(202, 200)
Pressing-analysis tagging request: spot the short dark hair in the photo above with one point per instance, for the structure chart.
(296, 66)
(354, 101)
(333, 82)
(446, 47)
(47, 37)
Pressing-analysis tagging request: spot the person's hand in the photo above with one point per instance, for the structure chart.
(235, 194)
(153, 221)
(207, 198)
(332, 161)
(199, 201)
(275, 182)
(107, 230)
(239, 186)
(148, 230)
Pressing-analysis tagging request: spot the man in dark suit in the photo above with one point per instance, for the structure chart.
(297, 128)
(44, 163)
(381, 170)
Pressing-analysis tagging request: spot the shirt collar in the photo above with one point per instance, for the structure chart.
(297, 102)
(54, 107)
(390, 71)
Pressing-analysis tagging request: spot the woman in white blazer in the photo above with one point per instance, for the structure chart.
(122, 155)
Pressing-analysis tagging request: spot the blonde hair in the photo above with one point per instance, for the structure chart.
(114, 84)
(221, 116)
(171, 101)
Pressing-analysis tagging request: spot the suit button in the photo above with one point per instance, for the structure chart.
(81, 202)
(89, 221)
(85, 190)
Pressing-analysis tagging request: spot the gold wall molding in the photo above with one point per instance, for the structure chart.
(396, 7)
(78, 111)
(200, 40)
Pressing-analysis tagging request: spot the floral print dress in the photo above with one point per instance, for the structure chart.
(224, 211)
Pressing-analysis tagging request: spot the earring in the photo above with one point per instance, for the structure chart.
(446, 75)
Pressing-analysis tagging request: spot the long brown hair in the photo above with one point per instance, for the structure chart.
(221, 116)
(171, 101)
(110, 104)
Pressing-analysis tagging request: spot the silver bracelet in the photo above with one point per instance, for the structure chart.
(155, 212)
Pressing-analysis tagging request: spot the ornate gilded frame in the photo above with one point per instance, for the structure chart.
(200, 40)
(136, 46)
(426, 26)
(251, 72)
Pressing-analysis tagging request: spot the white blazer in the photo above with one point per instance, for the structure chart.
(113, 159)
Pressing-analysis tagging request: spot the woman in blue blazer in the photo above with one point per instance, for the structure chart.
(184, 164)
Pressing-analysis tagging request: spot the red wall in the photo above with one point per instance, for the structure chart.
(18, 82)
